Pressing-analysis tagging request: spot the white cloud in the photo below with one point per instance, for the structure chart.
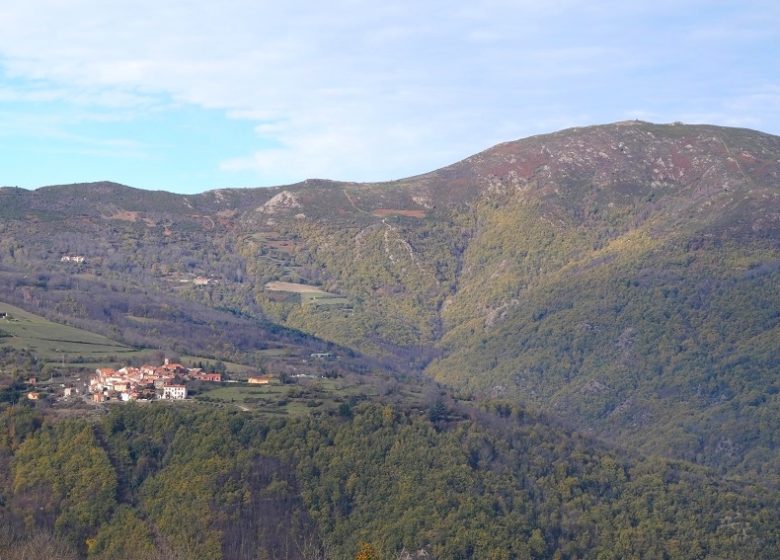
(348, 89)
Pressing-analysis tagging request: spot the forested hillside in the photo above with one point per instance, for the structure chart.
(157, 481)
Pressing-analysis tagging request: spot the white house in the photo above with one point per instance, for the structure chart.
(73, 258)
(174, 392)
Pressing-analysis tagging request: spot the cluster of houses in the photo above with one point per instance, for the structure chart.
(146, 382)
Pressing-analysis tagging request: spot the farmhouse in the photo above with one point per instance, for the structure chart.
(260, 380)
(73, 258)
(174, 392)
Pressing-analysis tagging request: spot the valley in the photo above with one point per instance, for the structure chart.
(575, 334)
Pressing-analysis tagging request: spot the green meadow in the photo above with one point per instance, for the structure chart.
(54, 343)
(277, 399)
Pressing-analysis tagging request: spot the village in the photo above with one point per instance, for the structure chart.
(148, 382)
(51, 380)
(169, 381)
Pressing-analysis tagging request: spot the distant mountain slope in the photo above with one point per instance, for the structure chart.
(151, 269)
(624, 277)
(634, 288)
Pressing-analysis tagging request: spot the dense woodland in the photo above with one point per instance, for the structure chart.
(157, 481)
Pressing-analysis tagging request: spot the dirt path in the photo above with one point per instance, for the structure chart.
(352, 202)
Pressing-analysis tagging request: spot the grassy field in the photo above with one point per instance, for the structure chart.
(231, 367)
(295, 288)
(55, 343)
(305, 397)
(323, 299)
(69, 348)
(309, 295)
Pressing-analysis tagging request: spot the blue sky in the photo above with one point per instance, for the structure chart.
(192, 95)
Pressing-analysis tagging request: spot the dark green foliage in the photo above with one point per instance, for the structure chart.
(437, 411)
(16, 365)
(63, 481)
(671, 353)
(345, 410)
(164, 482)
(125, 537)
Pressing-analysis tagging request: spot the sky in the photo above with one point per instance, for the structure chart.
(192, 95)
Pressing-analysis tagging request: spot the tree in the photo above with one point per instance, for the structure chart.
(536, 543)
(366, 552)
(437, 411)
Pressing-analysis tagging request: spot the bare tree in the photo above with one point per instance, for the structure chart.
(311, 547)
(41, 545)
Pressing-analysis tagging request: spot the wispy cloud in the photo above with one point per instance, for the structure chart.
(368, 91)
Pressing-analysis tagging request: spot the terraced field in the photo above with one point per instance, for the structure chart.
(58, 344)
(309, 295)
(289, 400)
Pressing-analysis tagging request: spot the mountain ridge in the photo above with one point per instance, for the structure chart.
(622, 276)
(617, 125)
